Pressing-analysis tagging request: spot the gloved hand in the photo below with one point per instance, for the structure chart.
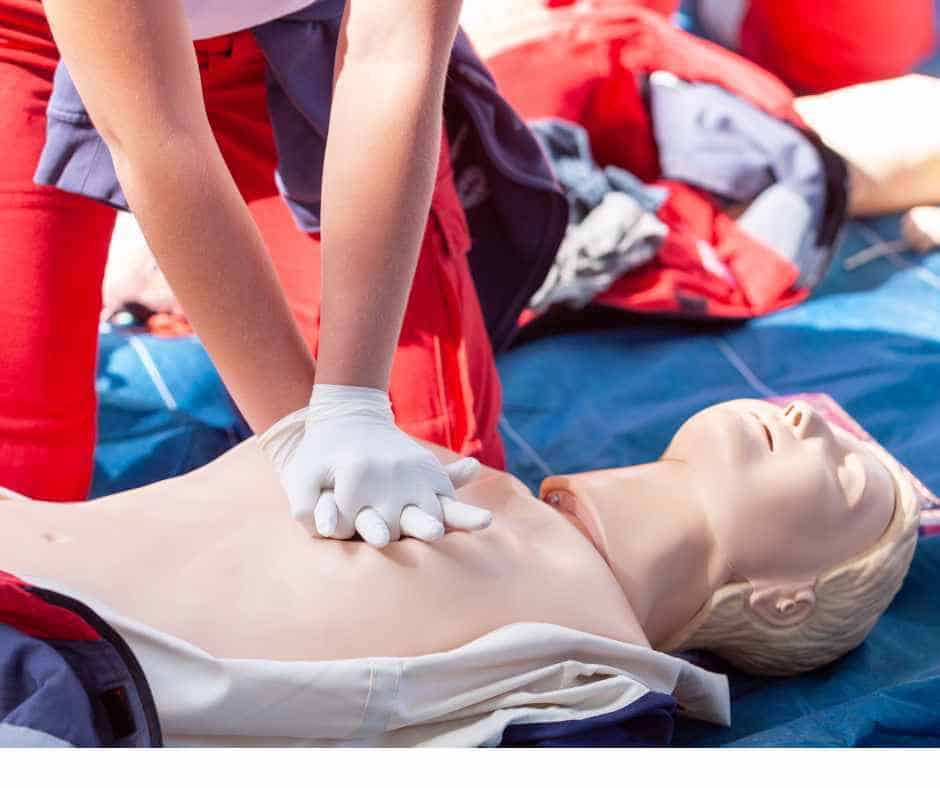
(347, 468)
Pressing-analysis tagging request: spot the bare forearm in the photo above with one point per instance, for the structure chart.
(379, 174)
(389, 166)
(215, 260)
(889, 135)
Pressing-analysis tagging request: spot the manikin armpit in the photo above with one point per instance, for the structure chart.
(756, 520)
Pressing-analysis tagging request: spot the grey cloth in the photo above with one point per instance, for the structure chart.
(721, 20)
(612, 223)
(614, 238)
(714, 140)
(762, 220)
(585, 184)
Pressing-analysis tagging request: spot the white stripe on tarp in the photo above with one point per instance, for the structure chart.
(746, 372)
(526, 447)
(156, 378)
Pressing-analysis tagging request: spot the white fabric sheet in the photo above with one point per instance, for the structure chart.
(523, 673)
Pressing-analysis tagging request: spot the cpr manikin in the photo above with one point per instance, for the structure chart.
(760, 534)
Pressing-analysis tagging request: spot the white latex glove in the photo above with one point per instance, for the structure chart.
(347, 468)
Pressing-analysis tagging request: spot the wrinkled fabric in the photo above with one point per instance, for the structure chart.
(616, 237)
(585, 184)
(593, 67)
(522, 674)
(781, 219)
(612, 224)
(716, 141)
(66, 677)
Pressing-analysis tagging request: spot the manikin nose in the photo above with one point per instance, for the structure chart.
(801, 418)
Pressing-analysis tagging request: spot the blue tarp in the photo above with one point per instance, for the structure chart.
(162, 410)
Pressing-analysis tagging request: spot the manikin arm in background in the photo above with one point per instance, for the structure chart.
(889, 134)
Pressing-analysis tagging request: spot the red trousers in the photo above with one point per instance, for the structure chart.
(53, 247)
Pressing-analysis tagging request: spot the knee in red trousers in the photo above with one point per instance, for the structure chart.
(53, 248)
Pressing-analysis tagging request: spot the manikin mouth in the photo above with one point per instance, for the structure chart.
(768, 435)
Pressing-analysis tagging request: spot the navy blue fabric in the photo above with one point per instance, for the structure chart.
(40, 691)
(88, 693)
(647, 722)
(125, 714)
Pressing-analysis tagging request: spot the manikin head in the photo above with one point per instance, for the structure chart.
(813, 532)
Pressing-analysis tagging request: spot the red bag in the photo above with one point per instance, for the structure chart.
(589, 69)
(818, 46)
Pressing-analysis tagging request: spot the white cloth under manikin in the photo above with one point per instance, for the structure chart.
(522, 673)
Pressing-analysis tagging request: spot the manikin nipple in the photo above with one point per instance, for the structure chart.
(55, 538)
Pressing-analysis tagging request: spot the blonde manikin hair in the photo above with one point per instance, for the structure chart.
(850, 598)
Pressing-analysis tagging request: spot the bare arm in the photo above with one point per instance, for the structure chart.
(889, 134)
(134, 66)
(379, 173)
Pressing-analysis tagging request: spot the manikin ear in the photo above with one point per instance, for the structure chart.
(784, 604)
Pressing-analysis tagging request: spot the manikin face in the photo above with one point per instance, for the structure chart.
(785, 495)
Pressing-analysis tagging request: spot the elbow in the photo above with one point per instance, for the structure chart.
(153, 141)
(150, 163)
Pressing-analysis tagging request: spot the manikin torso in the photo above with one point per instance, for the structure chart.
(214, 558)
(745, 491)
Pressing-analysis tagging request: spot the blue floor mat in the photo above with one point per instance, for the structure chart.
(162, 410)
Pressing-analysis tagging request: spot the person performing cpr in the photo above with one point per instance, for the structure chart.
(344, 100)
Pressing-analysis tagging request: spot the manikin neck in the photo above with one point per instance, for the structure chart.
(648, 524)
